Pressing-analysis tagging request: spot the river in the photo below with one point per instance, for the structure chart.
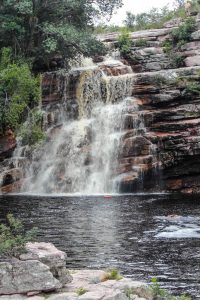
(144, 236)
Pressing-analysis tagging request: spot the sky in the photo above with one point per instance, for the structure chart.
(137, 6)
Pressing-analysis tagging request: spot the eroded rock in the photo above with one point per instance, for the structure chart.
(19, 277)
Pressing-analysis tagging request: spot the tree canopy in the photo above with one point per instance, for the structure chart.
(42, 29)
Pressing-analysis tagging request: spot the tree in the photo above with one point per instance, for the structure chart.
(130, 20)
(45, 29)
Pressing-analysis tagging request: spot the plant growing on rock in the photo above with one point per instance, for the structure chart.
(182, 34)
(124, 42)
(112, 274)
(13, 237)
(19, 90)
(162, 294)
(81, 291)
(31, 131)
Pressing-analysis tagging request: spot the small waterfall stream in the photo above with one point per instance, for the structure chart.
(96, 147)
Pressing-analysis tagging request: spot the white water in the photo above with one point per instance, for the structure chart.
(82, 155)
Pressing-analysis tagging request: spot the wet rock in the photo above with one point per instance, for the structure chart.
(7, 144)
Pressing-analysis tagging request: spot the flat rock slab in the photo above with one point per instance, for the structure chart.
(96, 289)
(91, 280)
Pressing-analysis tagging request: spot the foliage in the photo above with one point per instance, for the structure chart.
(31, 131)
(19, 89)
(155, 18)
(182, 34)
(128, 292)
(177, 38)
(167, 46)
(130, 20)
(124, 42)
(81, 291)
(13, 237)
(112, 274)
(162, 294)
(45, 29)
(140, 43)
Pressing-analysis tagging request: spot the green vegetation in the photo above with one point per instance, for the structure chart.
(13, 237)
(112, 274)
(140, 43)
(182, 34)
(19, 91)
(189, 85)
(153, 19)
(81, 291)
(124, 42)
(44, 30)
(37, 36)
(178, 38)
(162, 294)
(31, 131)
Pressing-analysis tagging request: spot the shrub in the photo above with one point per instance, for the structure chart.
(31, 131)
(162, 294)
(124, 42)
(19, 90)
(112, 274)
(167, 46)
(13, 237)
(139, 43)
(81, 291)
(183, 32)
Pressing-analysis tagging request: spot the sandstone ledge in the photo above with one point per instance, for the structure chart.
(96, 289)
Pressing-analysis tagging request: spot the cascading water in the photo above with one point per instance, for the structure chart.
(87, 149)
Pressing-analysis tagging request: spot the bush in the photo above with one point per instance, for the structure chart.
(139, 43)
(124, 42)
(162, 294)
(81, 291)
(112, 274)
(31, 131)
(19, 90)
(182, 34)
(13, 237)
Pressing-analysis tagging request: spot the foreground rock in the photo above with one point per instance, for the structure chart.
(26, 276)
(41, 269)
(49, 255)
(95, 289)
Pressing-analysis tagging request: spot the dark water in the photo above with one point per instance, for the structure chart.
(129, 232)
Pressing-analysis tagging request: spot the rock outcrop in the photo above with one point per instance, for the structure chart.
(41, 269)
(160, 147)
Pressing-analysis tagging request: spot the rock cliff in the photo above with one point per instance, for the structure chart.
(164, 107)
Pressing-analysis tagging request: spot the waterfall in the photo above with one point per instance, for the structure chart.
(96, 135)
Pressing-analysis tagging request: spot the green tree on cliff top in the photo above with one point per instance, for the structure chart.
(43, 29)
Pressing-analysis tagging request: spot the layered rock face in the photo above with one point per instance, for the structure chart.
(169, 106)
(159, 147)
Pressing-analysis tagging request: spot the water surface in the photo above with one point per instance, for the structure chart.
(133, 233)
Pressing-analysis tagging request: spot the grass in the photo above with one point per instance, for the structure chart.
(81, 291)
(112, 274)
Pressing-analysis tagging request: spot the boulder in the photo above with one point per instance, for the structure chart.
(20, 277)
(49, 255)
(173, 23)
(192, 61)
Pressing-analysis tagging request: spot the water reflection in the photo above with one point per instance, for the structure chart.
(132, 233)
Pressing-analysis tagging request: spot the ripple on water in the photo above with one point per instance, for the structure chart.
(134, 233)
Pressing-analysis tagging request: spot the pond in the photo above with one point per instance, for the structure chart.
(144, 236)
